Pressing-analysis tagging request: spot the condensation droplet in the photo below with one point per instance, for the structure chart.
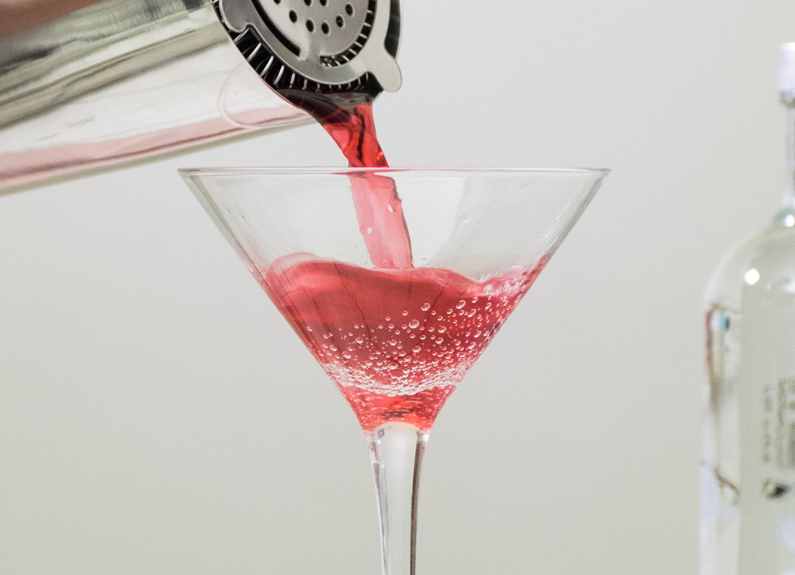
(425, 307)
(416, 349)
(405, 313)
(359, 340)
(460, 304)
(414, 324)
(442, 329)
(308, 328)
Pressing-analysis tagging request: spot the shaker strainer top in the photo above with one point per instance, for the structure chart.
(318, 45)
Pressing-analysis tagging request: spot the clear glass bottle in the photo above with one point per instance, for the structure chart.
(748, 467)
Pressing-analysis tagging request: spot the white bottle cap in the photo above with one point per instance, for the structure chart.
(786, 69)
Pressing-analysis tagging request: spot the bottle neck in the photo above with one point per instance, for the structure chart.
(788, 199)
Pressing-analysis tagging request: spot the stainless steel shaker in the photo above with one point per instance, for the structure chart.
(86, 84)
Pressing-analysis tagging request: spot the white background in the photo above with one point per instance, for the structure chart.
(157, 416)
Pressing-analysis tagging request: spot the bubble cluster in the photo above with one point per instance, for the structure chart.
(395, 334)
(432, 349)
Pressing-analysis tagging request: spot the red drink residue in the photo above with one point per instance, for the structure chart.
(396, 342)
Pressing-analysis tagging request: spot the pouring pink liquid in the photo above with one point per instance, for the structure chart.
(397, 339)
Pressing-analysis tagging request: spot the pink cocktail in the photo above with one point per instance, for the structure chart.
(396, 281)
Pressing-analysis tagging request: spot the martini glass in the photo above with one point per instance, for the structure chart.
(395, 340)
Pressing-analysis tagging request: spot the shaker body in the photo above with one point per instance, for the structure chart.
(120, 80)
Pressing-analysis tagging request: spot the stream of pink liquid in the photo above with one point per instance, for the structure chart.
(348, 119)
(378, 206)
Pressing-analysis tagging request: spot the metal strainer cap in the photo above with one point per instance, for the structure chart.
(318, 45)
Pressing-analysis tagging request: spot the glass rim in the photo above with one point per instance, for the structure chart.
(345, 171)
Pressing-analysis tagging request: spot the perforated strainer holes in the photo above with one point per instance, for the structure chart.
(277, 1)
(308, 2)
(310, 25)
(293, 16)
(340, 21)
(324, 27)
(323, 2)
(349, 9)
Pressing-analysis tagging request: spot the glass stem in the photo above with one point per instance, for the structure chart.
(396, 451)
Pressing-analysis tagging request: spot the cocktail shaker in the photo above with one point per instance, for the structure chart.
(86, 84)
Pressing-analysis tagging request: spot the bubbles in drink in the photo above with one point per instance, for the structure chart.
(392, 367)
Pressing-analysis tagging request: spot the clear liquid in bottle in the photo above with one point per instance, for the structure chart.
(748, 466)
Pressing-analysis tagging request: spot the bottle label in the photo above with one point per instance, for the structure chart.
(779, 424)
